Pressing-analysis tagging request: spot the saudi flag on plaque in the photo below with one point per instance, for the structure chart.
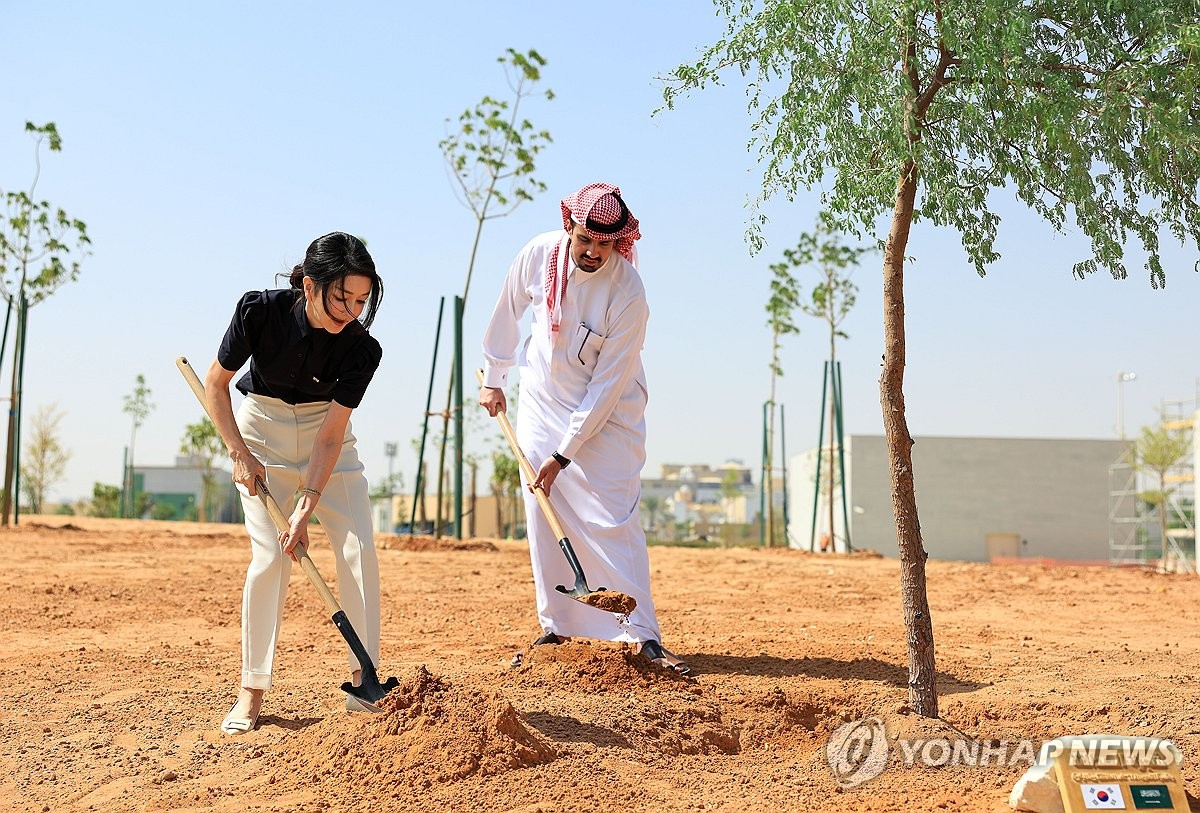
(1102, 797)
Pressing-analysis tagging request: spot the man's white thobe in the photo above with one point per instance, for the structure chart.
(582, 394)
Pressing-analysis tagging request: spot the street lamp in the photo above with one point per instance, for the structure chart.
(1122, 377)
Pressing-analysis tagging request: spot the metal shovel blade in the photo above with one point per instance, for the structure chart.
(370, 691)
(601, 598)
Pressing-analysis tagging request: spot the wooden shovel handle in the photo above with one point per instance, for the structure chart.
(264, 495)
(526, 468)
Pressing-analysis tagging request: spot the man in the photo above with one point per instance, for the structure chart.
(582, 416)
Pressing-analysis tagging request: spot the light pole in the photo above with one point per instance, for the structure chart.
(1122, 377)
(389, 450)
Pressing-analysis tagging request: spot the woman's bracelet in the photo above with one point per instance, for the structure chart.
(307, 490)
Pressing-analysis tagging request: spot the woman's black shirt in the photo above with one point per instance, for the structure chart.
(293, 361)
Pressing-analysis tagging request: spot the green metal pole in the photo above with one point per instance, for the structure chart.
(4, 341)
(783, 473)
(812, 534)
(458, 417)
(837, 411)
(762, 513)
(3, 347)
(437, 335)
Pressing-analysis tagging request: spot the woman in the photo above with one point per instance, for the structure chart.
(311, 359)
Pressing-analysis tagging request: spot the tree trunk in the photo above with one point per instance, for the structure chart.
(922, 674)
(471, 512)
(1162, 520)
(421, 517)
(9, 499)
(831, 315)
(770, 478)
(832, 442)
(130, 496)
(205, 498)
(437, 522)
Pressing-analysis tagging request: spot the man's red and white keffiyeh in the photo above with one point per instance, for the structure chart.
(599, 209)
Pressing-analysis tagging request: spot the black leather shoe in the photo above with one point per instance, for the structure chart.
(658, 655)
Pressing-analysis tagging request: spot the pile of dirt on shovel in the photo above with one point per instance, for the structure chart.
(611, 602)
(430, 732)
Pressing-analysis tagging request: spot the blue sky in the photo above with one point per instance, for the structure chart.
(207, 144)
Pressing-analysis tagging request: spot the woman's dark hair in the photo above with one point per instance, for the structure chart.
(329, 260)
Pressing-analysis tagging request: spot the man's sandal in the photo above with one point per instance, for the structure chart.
(659, 655)
(548, 638)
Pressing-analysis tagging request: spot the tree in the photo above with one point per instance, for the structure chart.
(106, 501)
(203, 443)
(652, 506)
(386, 489)
(137, 407)
(387, 486)
(781, 307)
(492, 155)
(40, 251)
(731, 489)
(492, 158)
(163, 511)
(506, 488)
(45, 458)
(922, 108)
(1158, 450)
(831, 300)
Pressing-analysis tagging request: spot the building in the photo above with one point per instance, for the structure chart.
(176, 491)
(977, 498)
(483, 516)
(700, 497)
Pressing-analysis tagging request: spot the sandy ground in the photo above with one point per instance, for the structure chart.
(120, 651)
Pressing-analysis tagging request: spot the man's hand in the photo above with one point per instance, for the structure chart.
(492, 399)
(546, 475)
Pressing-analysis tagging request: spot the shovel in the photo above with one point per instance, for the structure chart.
(601, 598)
(370, 691)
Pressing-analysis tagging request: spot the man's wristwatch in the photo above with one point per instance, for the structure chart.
(562, 461)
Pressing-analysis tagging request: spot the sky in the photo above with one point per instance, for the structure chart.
(206, 144)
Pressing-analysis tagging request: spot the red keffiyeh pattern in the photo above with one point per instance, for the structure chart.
(556, 282)
(599, 209)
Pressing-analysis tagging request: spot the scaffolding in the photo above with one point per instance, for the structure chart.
(1180, 480)
(1134, 537)
(1127, 521)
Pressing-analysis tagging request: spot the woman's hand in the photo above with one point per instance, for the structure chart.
(296, 533)
(246, 469)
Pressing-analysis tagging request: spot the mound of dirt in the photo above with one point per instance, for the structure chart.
(678, 725)
(594, 666)
(66, 527)
(430, 732)
(423, 544)
(780, 719)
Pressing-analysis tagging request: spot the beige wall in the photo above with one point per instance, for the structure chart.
(1053, 493)
(484, 515)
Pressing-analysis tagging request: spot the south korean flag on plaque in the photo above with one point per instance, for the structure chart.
(1102, 797)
